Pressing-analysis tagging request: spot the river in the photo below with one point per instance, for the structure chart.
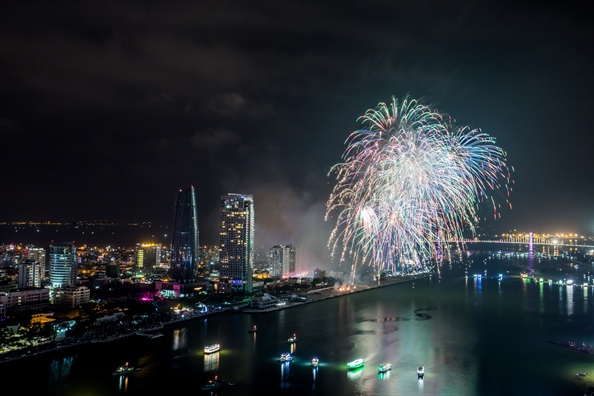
(474, 337)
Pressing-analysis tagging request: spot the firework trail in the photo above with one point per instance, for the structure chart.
(410, 183)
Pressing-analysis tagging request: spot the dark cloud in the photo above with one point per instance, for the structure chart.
(143, 98)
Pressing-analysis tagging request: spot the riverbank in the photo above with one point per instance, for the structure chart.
(339, 292)
(314, 297)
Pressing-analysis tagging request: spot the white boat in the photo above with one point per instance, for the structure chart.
(125, 369)
(315, 362)
(356, 363)
(285, 357)
(212, 348)
(384, 367)
(421, 372)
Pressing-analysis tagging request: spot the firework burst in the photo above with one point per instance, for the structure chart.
(410, 180)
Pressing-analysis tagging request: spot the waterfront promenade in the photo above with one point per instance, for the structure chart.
(317, 295)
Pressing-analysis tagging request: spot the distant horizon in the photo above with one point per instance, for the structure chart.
(149, 223)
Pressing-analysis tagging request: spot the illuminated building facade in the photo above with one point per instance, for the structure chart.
(37, 254)
(282, 260)
(72, 297)
(184, 240)
(63, 265)
(29, 274)
(147, 257)
(236, 242)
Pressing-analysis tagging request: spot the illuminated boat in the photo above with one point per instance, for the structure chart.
(292, 339)
(421, 372)
(356, 363)
(285, 357)
(212, 348)
(385, 367)
(315, 361)
(125, 369)
(213, 384)
(253, 329)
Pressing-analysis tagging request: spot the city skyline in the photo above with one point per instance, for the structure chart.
(127, 100)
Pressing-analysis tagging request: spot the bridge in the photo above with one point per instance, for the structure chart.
(524, 243)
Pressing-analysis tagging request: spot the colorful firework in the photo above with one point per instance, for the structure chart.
(410, 184)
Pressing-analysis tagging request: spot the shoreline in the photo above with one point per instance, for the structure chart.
(326, 294)
(335, 293)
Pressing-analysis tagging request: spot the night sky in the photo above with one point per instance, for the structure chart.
(109, 108)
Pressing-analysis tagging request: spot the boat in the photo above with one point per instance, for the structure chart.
(253, 329)
(213, 384)
(315, 361)
(157, 335)
(524, 274)
(356, 363)
(421, 372)
(384, 367)
(125, 369)
(292, 339)
(212, 348)
(285, 357)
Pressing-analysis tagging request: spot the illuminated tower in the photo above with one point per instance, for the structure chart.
(236, 242)
(184, 240)
(63, 265)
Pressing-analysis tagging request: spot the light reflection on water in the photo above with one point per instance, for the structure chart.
(356, 374)
(123, 383)
(180, 338)
(211, 361)
(60, 369)
(569, 299)
(285, 370)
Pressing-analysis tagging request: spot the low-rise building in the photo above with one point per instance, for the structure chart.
(72, 297)
(264, 301)
(26, 299)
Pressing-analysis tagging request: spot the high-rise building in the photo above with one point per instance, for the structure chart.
(63, 265)
(29, 274)
(38, 254)
(292, 258)
(147, 256)
(282, 260)
(236, 242)
(184, 240)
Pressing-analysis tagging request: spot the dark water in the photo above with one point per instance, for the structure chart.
(474, 337)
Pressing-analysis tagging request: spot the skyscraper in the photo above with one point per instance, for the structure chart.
(184, 240)
(236, 242)
(63, 265)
